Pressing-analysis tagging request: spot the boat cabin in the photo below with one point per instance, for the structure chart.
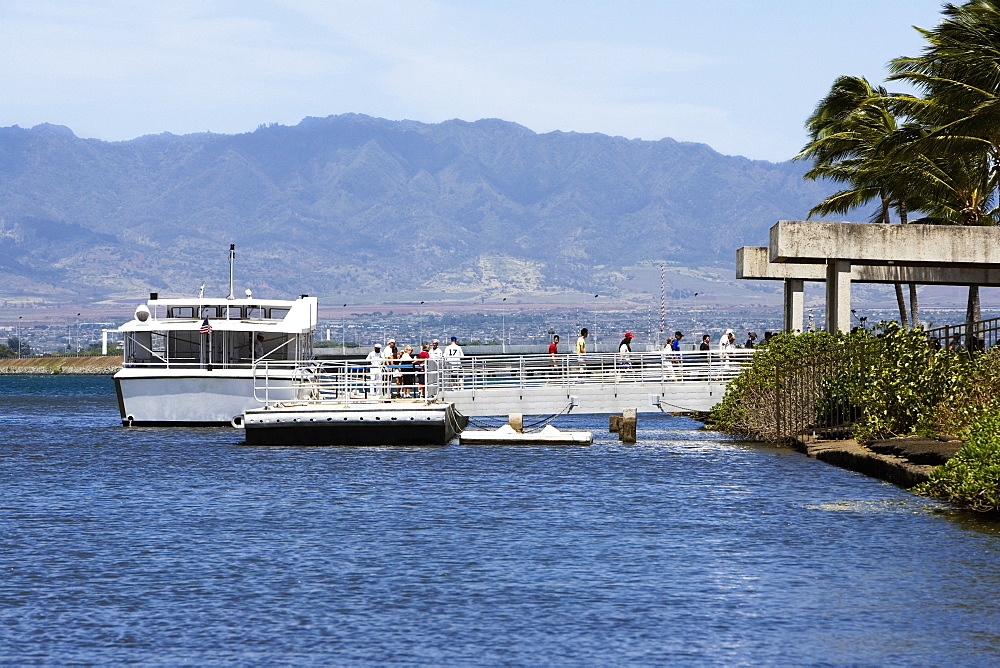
(219, 333)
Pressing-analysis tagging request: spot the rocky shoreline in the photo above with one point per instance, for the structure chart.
(905, 462)
(45, 366)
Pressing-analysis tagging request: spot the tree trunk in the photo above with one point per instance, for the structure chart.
(914, 308)
(884, 218)
(901, 302)
(972, 316)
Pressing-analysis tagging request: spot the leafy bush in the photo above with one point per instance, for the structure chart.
(888, 380)
(748, 407)
(970, 394)
(904, 382)
(972, 477)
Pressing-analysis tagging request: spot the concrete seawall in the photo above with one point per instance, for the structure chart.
(905, 462)
(96, 366)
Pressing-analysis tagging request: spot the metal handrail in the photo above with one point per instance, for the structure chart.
(351, 381)
(983, 334)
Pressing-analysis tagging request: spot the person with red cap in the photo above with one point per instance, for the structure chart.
(624, 351)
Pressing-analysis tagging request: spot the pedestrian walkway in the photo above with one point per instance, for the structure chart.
(538, 384)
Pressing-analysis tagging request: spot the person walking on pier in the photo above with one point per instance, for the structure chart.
(673, 344)
(435, 366)
(728, 341)
(727, 345)
(554, 350)
(422, 357)
(581, 349)
(408, 381)
(453, 354)
(374, 363)
(625, 352)
(706, 342)
(389, 356)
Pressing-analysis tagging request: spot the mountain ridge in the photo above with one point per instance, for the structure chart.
(366, 208)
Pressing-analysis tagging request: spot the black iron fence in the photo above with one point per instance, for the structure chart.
(812, 394)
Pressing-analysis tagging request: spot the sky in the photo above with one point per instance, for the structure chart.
(741, 77)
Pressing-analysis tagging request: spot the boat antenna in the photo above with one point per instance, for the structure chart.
(201, 291)
(232, 260)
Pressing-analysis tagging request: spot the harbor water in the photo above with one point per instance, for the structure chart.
(185, 547)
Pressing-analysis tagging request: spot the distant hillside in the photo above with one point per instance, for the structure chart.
(362, 208)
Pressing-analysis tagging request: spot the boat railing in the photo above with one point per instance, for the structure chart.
(347, 381)
(131, 360)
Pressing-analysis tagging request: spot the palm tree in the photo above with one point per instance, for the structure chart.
(854, 137)
(959, 75)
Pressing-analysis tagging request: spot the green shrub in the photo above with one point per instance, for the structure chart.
(904, 381)
(887, 380)
(972, 477)
(748, 406)
(970, 394)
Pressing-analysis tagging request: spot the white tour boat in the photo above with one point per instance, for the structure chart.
(192, 361)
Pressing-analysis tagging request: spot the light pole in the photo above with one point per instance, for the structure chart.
(343, 331)
(503, 325)
(19, 336)
(595, 323)
(420, 323)
(77, 335)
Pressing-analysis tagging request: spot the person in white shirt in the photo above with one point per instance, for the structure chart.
(625, 351)
(435, 366)
(728, 341)
(453, 354)
(389, 356)
(407, 381)
(727, 345)
(374, 363)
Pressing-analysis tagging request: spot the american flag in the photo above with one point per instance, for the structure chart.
(205, 327)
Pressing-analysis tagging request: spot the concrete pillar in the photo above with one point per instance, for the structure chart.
(614, 424)
(628, 426)
(793, 304)
(838, 296)
(516, 421)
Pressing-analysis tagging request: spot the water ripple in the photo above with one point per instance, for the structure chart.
(182, 546)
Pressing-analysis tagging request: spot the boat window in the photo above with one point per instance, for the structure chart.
(180, 312)
(208, 312)
(184, 346)
(255, 313)
(278, 313)
(234, 312)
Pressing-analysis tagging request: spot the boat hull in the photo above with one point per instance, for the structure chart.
(377, 423)
(166, 397)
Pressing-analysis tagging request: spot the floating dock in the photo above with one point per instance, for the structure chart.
(399, 422)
